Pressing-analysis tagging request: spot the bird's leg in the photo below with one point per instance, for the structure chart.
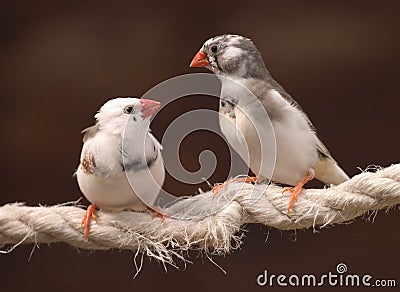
(247, 179)
(250, 179)
(296, 190)
(157, 212)
(89, 214)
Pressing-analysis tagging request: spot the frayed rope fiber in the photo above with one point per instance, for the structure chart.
(217, 233)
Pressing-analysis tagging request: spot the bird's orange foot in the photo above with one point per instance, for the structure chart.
(296, 191)
(157, 212)
(90, 214)
(246, 179)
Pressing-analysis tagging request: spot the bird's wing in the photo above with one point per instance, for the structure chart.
(90, 132)
(155, 141)
(323, 152)
(326, 169)
(275, 85)
(88, 162)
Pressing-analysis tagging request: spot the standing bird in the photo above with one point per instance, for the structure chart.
(300, 155)
(119, 146)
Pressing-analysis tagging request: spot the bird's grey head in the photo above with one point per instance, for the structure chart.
(115, 113)
(231, 56)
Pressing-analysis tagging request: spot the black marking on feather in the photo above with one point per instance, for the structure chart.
(322, 155)
(216, 62)
(227, 108)
(137, 164)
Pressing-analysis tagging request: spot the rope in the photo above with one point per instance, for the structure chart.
(214, 234)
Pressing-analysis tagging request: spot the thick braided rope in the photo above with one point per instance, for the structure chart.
(217, 233)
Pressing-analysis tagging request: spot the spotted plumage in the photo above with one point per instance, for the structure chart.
(227, 108)
(299, 153)
(88, 163)
(121, 165)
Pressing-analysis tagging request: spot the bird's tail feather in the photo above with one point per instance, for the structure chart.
(329, 172)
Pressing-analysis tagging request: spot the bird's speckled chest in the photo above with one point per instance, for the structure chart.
(227, 122)
(227, 108)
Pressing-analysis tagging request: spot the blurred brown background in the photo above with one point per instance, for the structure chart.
(60, 61)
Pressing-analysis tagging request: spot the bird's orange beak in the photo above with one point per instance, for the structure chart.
(149, 107)
(200, 60)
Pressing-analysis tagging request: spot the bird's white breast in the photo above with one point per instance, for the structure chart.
(108, 187)
(296, 152)
(233, 136)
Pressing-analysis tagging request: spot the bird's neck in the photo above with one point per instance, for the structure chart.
(242, 91)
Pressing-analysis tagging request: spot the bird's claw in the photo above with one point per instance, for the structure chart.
(157, 212)
(247, 179)
(293, 198)
(218, 187)
(85, 224)
(296, 190)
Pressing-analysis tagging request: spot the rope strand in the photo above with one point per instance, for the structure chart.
(217, 233)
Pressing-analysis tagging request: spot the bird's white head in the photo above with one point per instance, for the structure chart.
(115, 113)
(231, 56)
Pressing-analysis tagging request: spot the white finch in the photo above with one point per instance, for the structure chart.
(300, 155)
(119, 146)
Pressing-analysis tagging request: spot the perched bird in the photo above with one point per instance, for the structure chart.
(119, 146)
(300, 155)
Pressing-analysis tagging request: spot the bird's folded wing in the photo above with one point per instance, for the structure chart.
(90, 132)
(322, 150)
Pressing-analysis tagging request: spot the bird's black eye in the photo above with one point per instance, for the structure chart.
(128, 109)
(214, 48)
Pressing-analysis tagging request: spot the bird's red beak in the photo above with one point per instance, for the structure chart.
(200, 60)
(149, 107)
